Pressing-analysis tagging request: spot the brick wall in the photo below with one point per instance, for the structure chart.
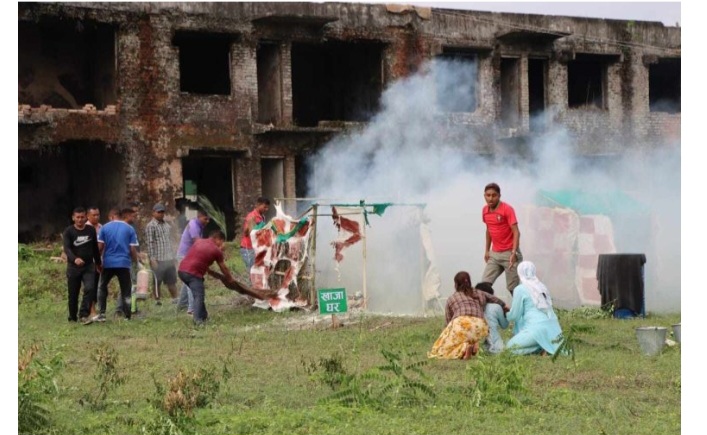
(154, 124)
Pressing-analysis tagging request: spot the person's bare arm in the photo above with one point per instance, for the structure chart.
(496, 300)
(235, 285)
(516, 242)
(151, 240)
(133, 253)
(224, 270)
(488, 246)
(249, 225)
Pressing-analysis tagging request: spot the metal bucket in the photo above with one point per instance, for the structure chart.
(676, 332)
(651, 339)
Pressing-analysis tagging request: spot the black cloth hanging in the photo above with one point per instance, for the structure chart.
(620, 279)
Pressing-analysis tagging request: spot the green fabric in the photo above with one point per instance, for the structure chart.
(286, 236)
(378, 209)
(613, 202)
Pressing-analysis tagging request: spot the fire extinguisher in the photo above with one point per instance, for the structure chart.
(143, 283)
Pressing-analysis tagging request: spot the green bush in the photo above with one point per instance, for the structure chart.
(398, 382)
(107, 376)
(39, 276)
(24, 252)
(498, 379)
(186, 391)
(36, 382)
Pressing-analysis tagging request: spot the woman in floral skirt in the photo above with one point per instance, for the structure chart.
(466, 326)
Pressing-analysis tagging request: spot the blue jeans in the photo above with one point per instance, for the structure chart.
(248, 256)
(496, 321)
(186, 298)
(196, 285)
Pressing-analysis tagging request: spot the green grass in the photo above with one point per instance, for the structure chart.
(271, 372)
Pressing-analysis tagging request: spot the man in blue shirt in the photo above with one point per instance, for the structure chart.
(117, 243)
(496, 319)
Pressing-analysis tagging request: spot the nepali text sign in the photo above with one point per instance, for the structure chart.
(332, 300)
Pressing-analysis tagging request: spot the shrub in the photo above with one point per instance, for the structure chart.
(24, 252)
(498, 380)
(36, 385)
(107, 375)
(39, 276)
(187, 391)
(398, 382)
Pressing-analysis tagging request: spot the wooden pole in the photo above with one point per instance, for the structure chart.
(423, 263)
(365, 289)
(313, 257)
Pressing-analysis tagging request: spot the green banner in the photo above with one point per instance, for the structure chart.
(332, 300)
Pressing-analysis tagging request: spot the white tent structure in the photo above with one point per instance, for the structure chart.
(381, 253)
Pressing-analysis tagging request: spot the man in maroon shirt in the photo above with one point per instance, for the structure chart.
(502, 253)
(195, 265)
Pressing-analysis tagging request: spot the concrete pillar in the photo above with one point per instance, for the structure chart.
(286, 57)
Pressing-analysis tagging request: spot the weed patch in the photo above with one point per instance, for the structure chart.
(107, 375)
(36, 386)
(498, 380)
(399, 382)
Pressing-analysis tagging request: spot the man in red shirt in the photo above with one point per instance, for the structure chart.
(502, 252)
(256, 216)
(196, 264)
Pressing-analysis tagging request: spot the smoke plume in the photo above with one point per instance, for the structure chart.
(408, 155)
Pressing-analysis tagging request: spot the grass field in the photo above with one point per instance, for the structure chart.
(251, 371)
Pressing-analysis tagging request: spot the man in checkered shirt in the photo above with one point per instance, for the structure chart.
(159, 248)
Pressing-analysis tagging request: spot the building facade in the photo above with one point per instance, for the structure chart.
(153, 101)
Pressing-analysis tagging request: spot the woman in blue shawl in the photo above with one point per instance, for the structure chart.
(536, 327)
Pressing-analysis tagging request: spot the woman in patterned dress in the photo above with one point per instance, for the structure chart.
(466, 326)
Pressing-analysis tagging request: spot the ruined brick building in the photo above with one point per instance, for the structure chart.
(152, 101)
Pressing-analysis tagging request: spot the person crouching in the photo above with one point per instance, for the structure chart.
(466, 326)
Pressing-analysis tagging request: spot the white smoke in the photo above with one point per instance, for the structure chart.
(404, 155)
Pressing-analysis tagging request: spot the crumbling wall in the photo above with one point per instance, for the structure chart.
(139, 108)
(54, 180)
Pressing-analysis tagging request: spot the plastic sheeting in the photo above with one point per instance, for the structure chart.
(565, 247)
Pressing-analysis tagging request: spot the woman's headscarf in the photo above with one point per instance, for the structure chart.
(538, 291)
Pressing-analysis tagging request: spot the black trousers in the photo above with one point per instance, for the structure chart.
(76, 276)
(123, 275)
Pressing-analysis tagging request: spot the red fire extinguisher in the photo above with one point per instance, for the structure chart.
(143, 283)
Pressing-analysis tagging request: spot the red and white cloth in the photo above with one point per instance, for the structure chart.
(349, 222)
(289, 255)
